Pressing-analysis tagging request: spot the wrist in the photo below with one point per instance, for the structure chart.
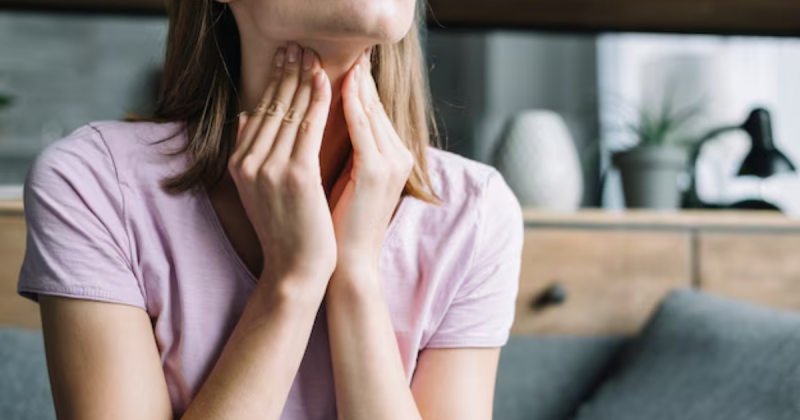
(295, 290)
(284, 301)
(356, 281)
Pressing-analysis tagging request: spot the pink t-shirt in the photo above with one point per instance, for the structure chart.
(101, 228)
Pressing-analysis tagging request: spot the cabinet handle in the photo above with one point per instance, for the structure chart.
(554, 295)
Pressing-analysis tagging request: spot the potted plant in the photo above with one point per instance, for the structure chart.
(5, 101)
(651, 170)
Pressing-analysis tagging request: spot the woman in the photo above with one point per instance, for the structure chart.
(311, 258)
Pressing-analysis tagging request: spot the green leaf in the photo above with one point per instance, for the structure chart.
(661, 126)
(5, 101)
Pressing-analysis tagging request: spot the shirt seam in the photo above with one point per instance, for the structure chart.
(124, 211)
(470, 341)
(473, 255)
(480, 226)
(78, 291)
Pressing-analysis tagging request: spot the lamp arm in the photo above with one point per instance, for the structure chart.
(690, 198)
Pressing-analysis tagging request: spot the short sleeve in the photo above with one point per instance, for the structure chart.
(482, 310)
(77, 243)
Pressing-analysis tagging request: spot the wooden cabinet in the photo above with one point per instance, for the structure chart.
(763, 268)
(14, 310)
(613, 279)
(754, 17)
(614, 268)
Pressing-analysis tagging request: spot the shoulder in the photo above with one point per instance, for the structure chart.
(482, 212)
(474, 239)
(455, 177)
(110, 150)
(461, 182)
(476, 207)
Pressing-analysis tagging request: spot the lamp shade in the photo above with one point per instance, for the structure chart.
(764, 159)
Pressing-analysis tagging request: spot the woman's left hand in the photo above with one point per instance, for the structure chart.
(371, 185)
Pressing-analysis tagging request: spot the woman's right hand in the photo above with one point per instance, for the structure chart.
(275, 166)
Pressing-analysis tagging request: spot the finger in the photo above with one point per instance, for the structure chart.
(256, 117)
(312, 129)
(387, 125)
(290, 126)
(373, 108)
(242, 123)
(279, 106)
(358, 123)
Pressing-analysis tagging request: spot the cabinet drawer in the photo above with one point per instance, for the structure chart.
(761, 268)
(613, 278)
(14, 310)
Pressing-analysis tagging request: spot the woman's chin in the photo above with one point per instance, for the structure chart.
(378, 21)
(386, 23)
(367, 22)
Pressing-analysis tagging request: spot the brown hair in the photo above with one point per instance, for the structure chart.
(202, 74)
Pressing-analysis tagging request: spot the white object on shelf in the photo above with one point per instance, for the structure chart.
(538, 160)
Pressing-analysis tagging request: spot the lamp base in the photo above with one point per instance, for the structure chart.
(754, 205)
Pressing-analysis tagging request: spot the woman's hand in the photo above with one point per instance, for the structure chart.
(378, 170)
(276, 170)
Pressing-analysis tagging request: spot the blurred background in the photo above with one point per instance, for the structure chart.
(652, 144)
(579, 84)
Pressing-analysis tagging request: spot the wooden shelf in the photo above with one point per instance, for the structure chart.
(713, 220)
(92, 6)
(11, 207)
(745, 17)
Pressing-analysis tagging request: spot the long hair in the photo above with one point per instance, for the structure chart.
(202, 72)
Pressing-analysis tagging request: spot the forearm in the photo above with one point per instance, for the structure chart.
(369, 376)
(254, 374)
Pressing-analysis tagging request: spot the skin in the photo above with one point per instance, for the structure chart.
(318, 187)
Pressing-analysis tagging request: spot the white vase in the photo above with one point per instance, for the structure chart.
(538, 160)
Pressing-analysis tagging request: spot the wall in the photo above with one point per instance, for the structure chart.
(67, 70)
(730, 76)
(481, 79)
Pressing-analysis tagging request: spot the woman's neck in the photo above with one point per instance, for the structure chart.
(336, 60)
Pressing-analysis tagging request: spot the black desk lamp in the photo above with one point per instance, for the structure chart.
(763, 161)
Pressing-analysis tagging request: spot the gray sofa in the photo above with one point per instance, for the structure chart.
(700, 357)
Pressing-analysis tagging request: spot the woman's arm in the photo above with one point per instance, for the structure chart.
(368, 372)
(103, 357)
(456, 383)
(454, 379)
(104, 362)
(370, 380)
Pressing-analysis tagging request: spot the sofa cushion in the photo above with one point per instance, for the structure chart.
(546, 378)
(24, 385)
(539, 378)
(703, 357)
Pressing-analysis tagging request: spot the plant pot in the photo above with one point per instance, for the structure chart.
(651, 176)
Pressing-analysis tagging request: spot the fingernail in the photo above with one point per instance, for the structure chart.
(357, 73)
(280, 56)
(291, 53)
(319, 79)
(308, 59)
